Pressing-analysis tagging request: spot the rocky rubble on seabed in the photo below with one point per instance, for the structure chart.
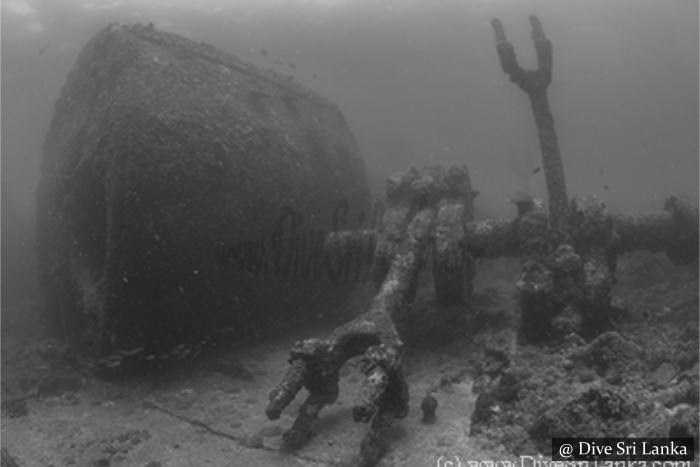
(640, 378)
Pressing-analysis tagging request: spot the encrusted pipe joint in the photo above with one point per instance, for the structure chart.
(384, 388)
(566, 263)
(590, 222)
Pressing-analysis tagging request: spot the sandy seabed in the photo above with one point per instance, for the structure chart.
(211, 411)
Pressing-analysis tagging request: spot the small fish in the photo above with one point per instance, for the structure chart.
(606, 187)
(278, 63)
(263, 52)
(314, 75)
(130, 353)
(601, 171)
(43, 49)
(291, 64)
(111, 364)
(536, 170)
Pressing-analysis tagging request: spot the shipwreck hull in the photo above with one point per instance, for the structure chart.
(185, 193)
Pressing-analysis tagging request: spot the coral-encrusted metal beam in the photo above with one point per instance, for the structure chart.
(415, 200)
(535, 83)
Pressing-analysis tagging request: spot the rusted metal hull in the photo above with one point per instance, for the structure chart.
(185, 193)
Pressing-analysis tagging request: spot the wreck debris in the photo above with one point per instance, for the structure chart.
(164, 173)
(429, 406)
(536, 283)
(453, 269)
(673, 230)
(568, 260)
(568, 290)
(535, 83)
(414, 202)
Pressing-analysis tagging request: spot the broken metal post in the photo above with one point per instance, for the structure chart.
(597, 243)
(566, 270)
(453, 269)
(536, 282)
(535, 83)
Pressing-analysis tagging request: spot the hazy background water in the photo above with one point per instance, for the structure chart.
(418, 80)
